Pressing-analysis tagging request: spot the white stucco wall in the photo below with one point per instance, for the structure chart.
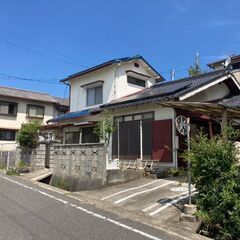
(123, 87)
(215, 92)
(115, 84)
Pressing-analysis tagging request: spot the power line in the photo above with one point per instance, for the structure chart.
(40, 80)
(44, 48)
(36, 52)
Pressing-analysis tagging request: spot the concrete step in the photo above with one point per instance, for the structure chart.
(38, 175)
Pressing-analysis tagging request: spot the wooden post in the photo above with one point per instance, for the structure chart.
(224, 122)
(210, 129)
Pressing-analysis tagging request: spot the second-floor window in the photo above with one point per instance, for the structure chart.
(94, 95)
(34, 111)
(136, 81)
(8, 108)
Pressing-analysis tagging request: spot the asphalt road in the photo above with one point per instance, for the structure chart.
(29, 211)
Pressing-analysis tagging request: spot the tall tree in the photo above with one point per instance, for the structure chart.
(195, 69)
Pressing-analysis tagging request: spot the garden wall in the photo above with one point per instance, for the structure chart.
(78, 166)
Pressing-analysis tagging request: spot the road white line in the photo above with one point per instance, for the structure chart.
(170, 204)
(150, 207)
(99, 216)
(158, 203)
(138, 193)
(130, 189)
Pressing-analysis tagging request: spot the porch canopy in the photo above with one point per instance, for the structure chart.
(213, 110)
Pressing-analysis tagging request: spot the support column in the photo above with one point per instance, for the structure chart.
(210, 129)
(141, 141)
(224, 122)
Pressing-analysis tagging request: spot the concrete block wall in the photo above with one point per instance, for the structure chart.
(38, 157)
(78, 166)
(35, 157)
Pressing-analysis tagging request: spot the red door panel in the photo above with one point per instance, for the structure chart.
(162, 140)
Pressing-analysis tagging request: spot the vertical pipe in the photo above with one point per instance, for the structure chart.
(189, 163)
(8, 153)
(141, 141)
(118, 141)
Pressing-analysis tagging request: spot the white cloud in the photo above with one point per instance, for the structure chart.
(179, 7)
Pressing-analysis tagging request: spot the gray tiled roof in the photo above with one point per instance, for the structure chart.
(62, 101)
(108, 63)
(231, 102)
(24, 94)
(170, 90)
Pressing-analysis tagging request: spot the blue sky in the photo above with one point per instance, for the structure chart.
(48, 40)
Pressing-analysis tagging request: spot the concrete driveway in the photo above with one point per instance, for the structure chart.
(157, 202)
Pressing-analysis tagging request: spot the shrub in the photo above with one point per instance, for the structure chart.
(12, 172)
(22, 164)
(28, 134)
(215, 173)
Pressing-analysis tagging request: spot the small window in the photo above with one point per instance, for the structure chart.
(136, 81)
(89, 136)
(48, 136)
(35, 111)
(72, 137)
(136, 65)
(137, 117)
(94, 96)
(128, 118)
(148, 115)
(118, 119)
(8, 108)
(7, 135)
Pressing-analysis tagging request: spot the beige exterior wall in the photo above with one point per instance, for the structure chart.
(15, 122)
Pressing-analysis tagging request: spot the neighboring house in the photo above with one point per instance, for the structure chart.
(21, 106)
(144, 116)
(233, 63)
(99, 85)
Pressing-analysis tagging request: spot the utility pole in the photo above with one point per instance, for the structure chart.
(172, 74)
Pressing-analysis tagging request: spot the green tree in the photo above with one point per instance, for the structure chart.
(28, 134)
(104, 130)
(194, 70)
(215, 172)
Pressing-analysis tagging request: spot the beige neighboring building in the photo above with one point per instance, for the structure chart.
(21, 106)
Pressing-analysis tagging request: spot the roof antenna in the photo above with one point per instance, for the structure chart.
(172, 74)
(227, 63)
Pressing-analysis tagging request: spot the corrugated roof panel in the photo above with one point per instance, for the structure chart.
(72, 115)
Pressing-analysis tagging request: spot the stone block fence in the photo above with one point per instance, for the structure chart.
(75, 167)
(78, 166)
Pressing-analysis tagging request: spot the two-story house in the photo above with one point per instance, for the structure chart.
(99, 85)
(144, 108)
(21, 106)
